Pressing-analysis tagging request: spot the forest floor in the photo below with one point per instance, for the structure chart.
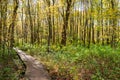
(77, 62)
(34, 69)
(10, 66)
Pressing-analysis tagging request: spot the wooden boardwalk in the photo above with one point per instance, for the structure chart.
(34, 69)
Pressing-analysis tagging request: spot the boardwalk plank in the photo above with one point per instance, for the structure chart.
(34, 69)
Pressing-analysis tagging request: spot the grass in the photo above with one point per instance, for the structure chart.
(9, 63)
(77, 62)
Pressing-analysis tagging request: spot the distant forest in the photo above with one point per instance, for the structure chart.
(59, 22)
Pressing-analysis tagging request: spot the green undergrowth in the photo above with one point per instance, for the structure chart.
(9, 63)
(77, 62)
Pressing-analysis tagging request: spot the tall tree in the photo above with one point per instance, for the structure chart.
(12, 25)
(31, 23)
(114, 24)
(68, 4)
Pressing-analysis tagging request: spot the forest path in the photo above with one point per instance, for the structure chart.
(34, 69)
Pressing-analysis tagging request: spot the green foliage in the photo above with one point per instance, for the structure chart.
(77, 62)
(8, 69)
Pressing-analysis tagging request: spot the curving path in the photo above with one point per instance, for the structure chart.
(34, 69)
